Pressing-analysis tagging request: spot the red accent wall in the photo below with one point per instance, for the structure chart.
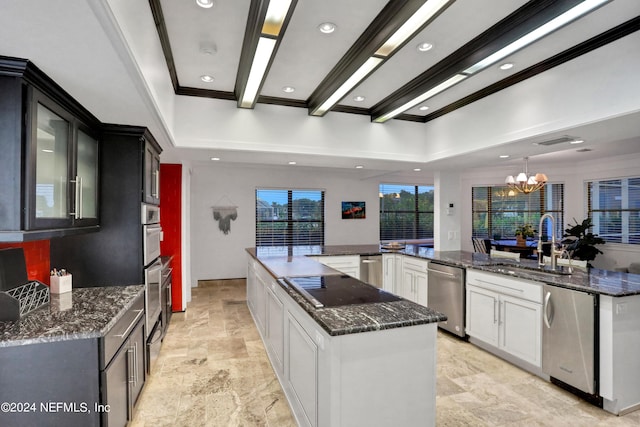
(36, 256)
(171, 221)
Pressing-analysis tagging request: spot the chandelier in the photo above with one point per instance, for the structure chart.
(526, 183)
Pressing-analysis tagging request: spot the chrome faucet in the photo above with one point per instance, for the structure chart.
(554, 252)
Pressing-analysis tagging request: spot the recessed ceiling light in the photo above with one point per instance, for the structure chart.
(504, 156)
(506, 66)
(205, 3)
(423, 47)
(288, 89)
(576, 141)
(423, 108)
(206, 78)
(359, 167)
(417, 169)
(46, 150)
(292, 163)
(215, 158)
(358, 98)
(327, 27)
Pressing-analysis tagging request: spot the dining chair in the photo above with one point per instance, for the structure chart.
(479, 245)
(504, 254)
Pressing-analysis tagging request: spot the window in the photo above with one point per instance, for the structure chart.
(497, 211)
(614, 209)
(406, 212)
(289, 217)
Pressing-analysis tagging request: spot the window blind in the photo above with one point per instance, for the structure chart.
(614, 209)
(289, 217)
(498, 210)
(406, 212)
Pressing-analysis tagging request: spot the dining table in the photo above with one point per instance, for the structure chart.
(528, 250)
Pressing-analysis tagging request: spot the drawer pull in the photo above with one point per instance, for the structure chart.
(131, 325)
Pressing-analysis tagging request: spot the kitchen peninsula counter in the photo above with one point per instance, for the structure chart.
(79, 314)
(595, 280)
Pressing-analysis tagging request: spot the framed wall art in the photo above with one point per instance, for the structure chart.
(353, 210)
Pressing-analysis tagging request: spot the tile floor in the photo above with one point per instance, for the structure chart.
(213, 371)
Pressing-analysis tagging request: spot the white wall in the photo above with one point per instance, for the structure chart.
(215, 255)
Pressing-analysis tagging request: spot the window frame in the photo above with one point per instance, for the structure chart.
(544, 202)
(418, 232)
(624, 212)
(289, 237)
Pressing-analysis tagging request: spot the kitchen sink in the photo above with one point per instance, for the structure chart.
(512, 269)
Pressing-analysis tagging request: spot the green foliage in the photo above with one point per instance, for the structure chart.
(581, 242)
(525, 230)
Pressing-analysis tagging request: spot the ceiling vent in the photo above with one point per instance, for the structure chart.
(560, 140)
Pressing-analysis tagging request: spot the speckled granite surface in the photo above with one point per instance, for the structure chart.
(605, 282)
(81, 313)
(351, 319)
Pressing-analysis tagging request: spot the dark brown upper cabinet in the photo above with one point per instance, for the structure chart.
(49, 168)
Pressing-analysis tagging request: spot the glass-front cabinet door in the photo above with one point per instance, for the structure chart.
(52, 166)
(63, 169)
(86, 179)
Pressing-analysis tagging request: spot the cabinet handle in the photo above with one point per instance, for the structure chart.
(75, 212)
(156, 184)
(545, 316)
(495, 317)
(126, 332)
(131, 368)
(80, 198)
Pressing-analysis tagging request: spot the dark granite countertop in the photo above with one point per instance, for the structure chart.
(598, 281)
(79, 314)
(348, 319)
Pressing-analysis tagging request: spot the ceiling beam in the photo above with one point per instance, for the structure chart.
(521, 22)
(387, 22)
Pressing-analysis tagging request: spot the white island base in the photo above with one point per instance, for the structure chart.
(378, 378)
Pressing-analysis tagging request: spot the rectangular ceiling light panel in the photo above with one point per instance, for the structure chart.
(276, 13)
(258, 66)
(351, 82)
(411, 25)
(428, 94)
(558, 22)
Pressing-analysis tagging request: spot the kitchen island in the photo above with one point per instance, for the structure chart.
(617, 312)
(364, 364)
(70, 361)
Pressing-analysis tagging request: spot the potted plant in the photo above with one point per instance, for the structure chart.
(580, 242)
(522, 232)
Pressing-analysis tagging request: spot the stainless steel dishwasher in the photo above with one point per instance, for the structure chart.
(447, 296)
(371, 269)
(568, 337)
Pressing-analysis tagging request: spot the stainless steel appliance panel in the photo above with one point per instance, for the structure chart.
(447, 296)
(151, 242)
(153, 283)
(568, 337)
(371, 270)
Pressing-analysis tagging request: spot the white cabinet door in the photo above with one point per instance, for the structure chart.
(302, 374)
(405, 290)
(275, 327)
(482, 314)
(259, 307)
(521, 329)
(347, 264)
(389, 265)
(420, 280)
